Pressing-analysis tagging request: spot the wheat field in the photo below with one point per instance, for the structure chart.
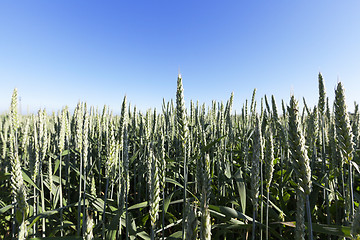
(207, 172)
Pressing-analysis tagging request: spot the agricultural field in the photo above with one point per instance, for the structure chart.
(266, 172)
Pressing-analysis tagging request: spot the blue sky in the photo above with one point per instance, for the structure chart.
(60, 52)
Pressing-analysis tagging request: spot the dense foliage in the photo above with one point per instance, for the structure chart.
(198, 173)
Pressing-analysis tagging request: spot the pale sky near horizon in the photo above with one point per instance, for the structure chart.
(58, 53)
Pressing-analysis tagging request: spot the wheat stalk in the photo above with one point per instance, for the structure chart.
(269, 160)
(182, 133)
(301, 165)
(345, 143)
(154, 191)
(255, 170)
(17, 182)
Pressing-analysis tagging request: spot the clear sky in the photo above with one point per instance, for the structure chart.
(60, 52)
